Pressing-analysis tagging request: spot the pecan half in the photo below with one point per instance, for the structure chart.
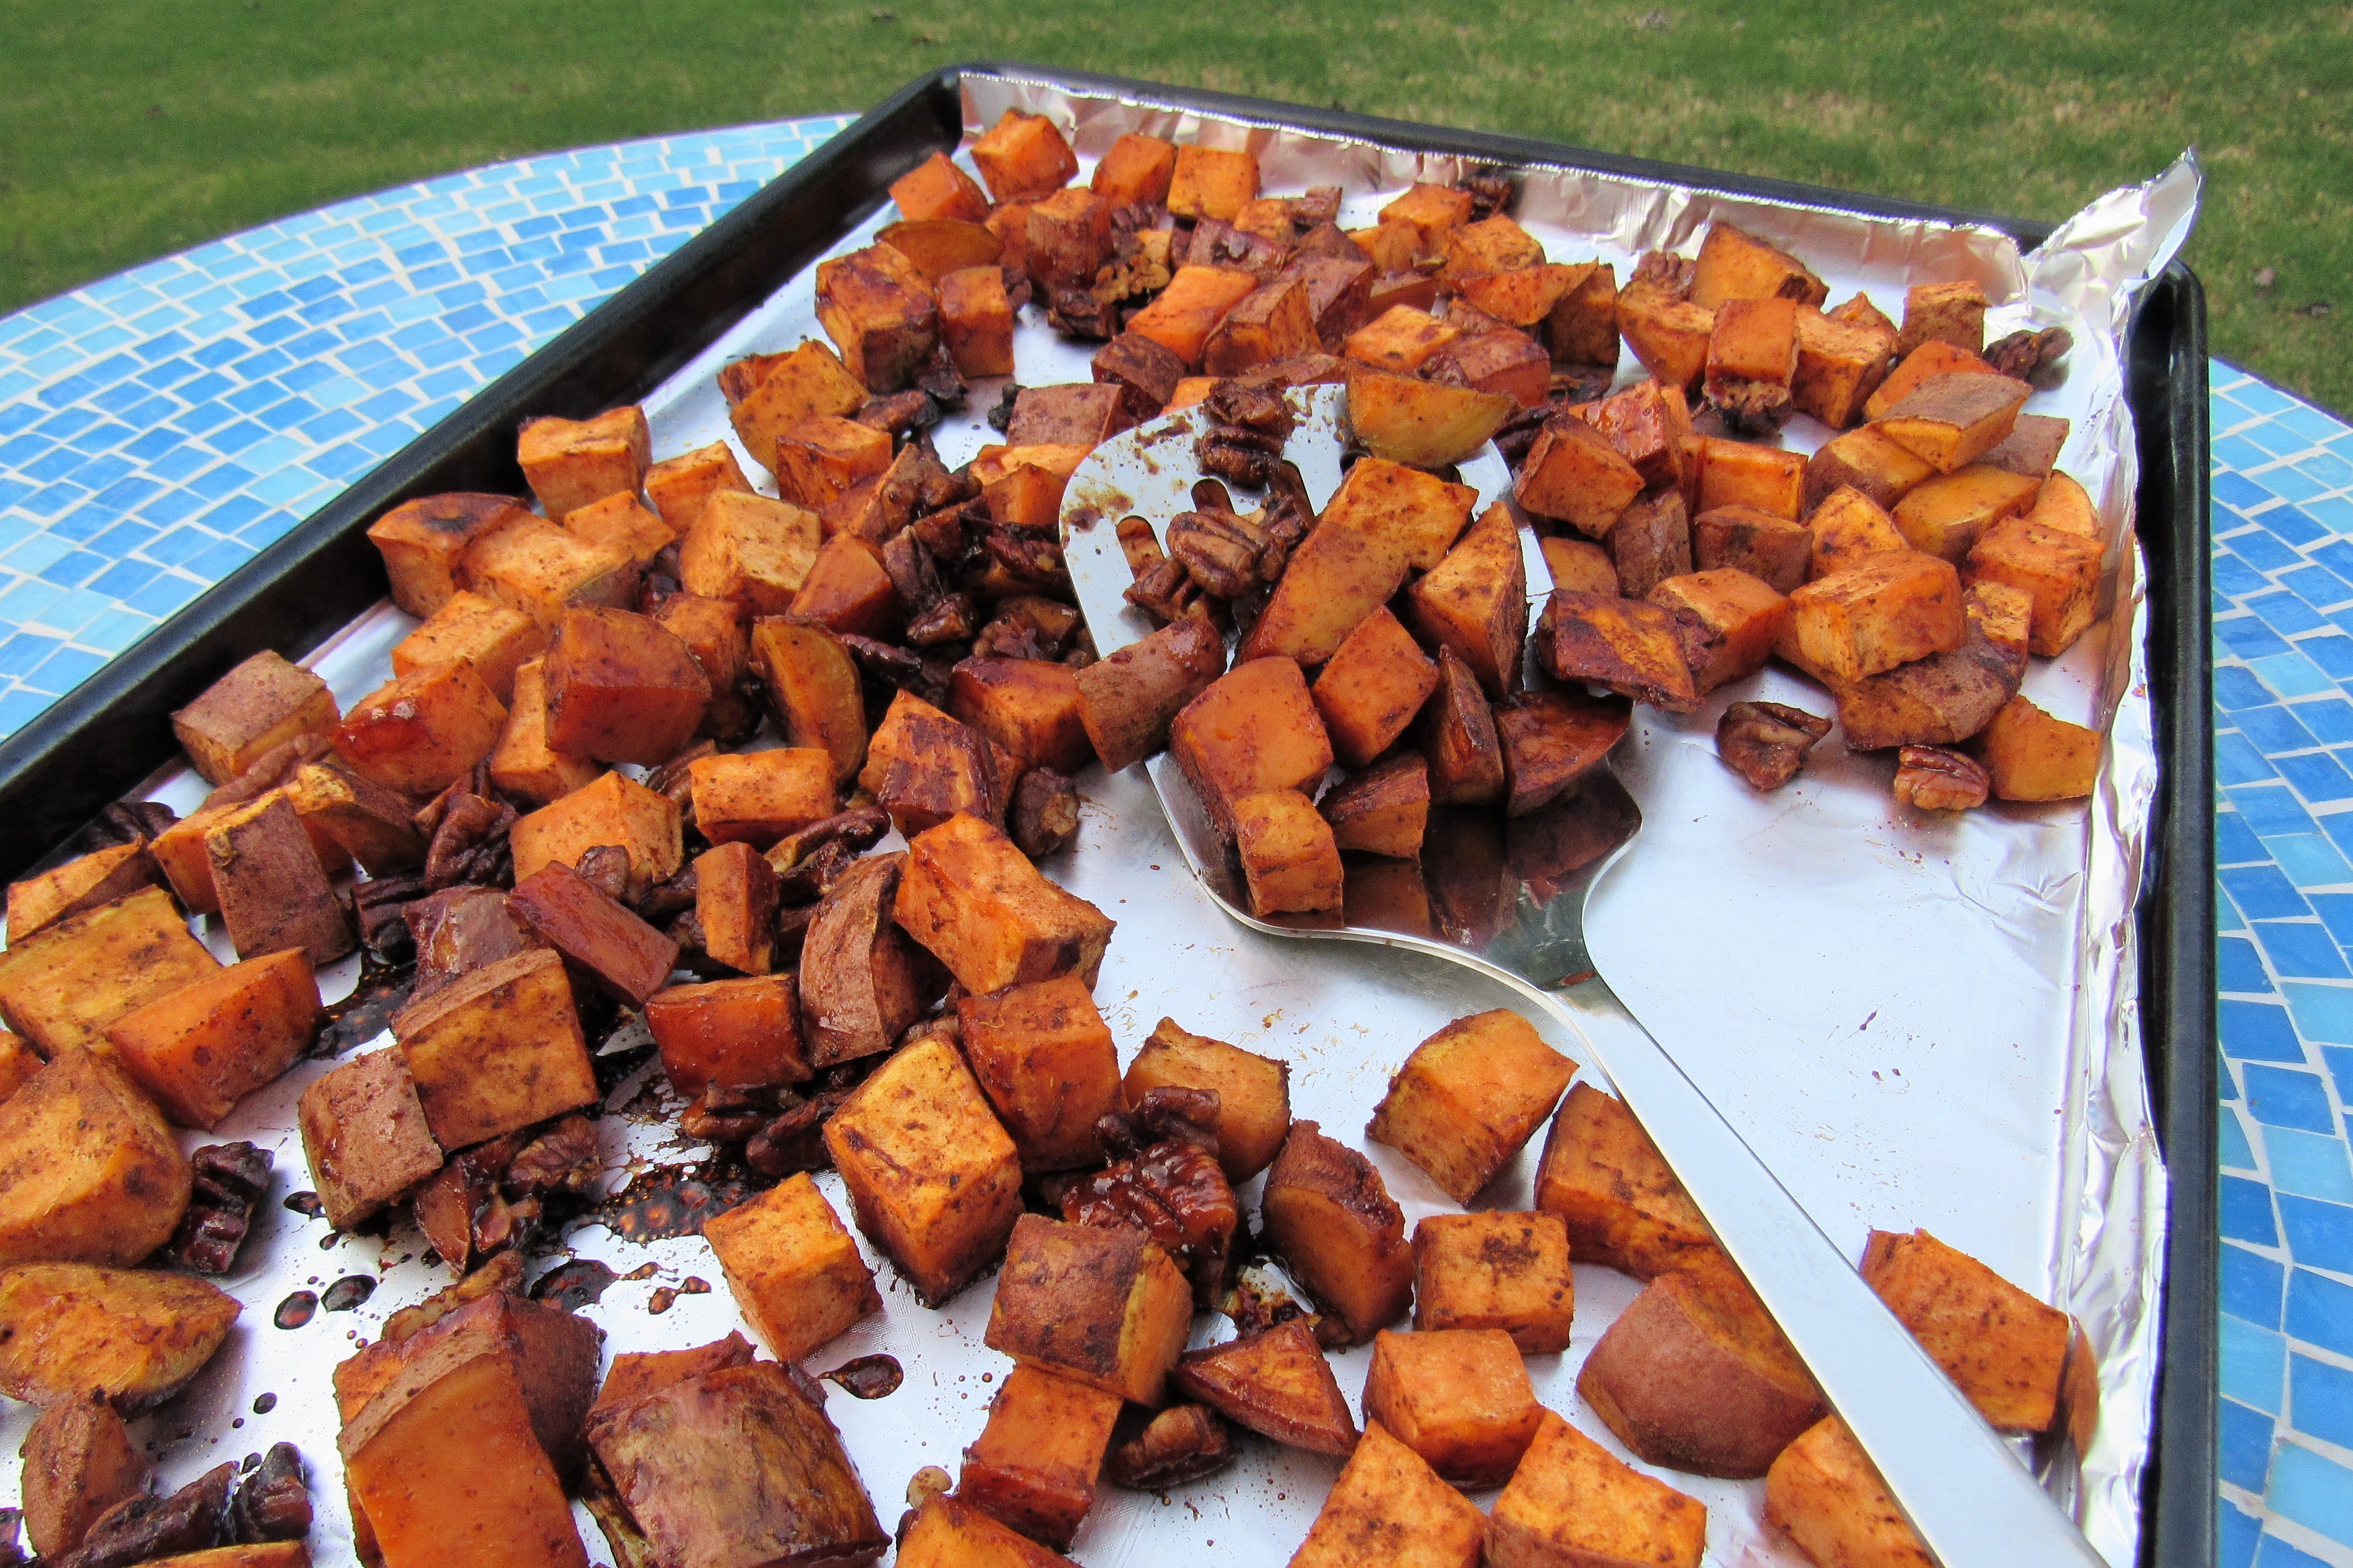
(1931, 778)
(1767, 742)
(230, 1180)
(2030, 356)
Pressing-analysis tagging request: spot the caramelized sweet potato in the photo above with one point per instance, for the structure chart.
(1469, 1097)
(1826, 1495)
(1044, 1057)
(1458, 1398)
(680, 486)
(1034, 1465)
(1917, 367)
(609, 810)
(2002, 1348)
(2057, 569)
(1372, 687)
(1422, 423)
(1253, 728)
(136, 1336)
(980, 907)
(64, 984)
(1253, 1092)
(769, 393)
(1030, 707)
(1571, 1504)
(1882, 611)
(738, 1033)
(758, 797)
(1668, 335)
(496, 1050)
(83, 883)
(1458, 738)
(881, 314)
(1475, 601)
(1104, 1305)
(1492, 1270)
(423, 540)
(1944, 312)
(1184, 314)
(945, 1531)
(272, 892)
(522, 764)
(1419, 513)
(1945, 697)
(1631, 647)
(792, 1266)
(78, 1463)
(1952, 419)
(1574, 473)
(1739, 619)
(863, 981)
(423, 732)
(602, 937)
(365, 1137)
(1278, 1384)
(750, 551)
(201, 1048)
(1866, 459)
(542, 570)
(735, 899)
(1848, 525)
(1329, 1215)
(1383, 810)
(570, 463)
(1604, 1177)
(1341, 573)
(815, 689)
(1389, 1506)
(1840, 365)
(936, 188)
(1290, 861)
(263, 703)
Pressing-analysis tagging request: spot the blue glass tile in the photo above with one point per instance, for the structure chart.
(2270, 810)
(2339, 1063)
(2314, 1491)
(2319, 1233)
(164, 596)
(2285, 613)
(2239, 760)
(25, 652)
(65, 668)
(2280, 1097)
(2322, 1013)
(2246, 1210)
(2275, 1552)
(2245, 1446)
(2238, 1532)
(2252, 1285)
(2309, 1165)
(277, 332)
(2321, 1397)
(2319, 1312)
(2261, 893)
(2301, 950)
(2236, 1153)
(2332, 652)
(2253, 1364)
(2238, 968)
(2238, 452)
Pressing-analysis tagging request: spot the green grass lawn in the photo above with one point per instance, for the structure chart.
(141, 127)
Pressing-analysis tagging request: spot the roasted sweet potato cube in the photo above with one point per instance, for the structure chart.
(1076, 413)
(751, 551)
(1764, 545)
(1916, 369)
(1417, 513)
(201, 1048)
(1392, 288)
(1696, 1377)
(1493, 244)
(1290, 861)
(1184, 314)
(1848, 525)
(263, 703)
(1068, 239)
(946, 1531)
(1475, 602)
(934, 768)
(1946, 514)
(794, 1271)
(1372, 687)
(1582, 328)
(2058, 570)
(1103, 1306)
(815, 689)
(2005, 1350)
(1521, 297)
(1030, 707)
(1024, 485)
(1383, 811)
(1422, 422)
(1572, 1504)
(1432, 209)
(1669, 335)
(1859, 311)
(65, 984)
(881, 312)
(83, 883)
(2031, 448)
(1741, 618)
(1576, 474)
(1551, 739)
(1276, 321)
(364, 1136)
(1339, 294)
(1339, 576)
(1332, 1220)
(89, 1171)
(619, 522)
(454, 1426)
(1043, 1056)
(522, 764)
(1826, 1495)
(936, 188)
(1035, 1463)
(2033, 756)
(603, 938)
(1739, 473)
(2063, 505)
(423, 540)
(1253, 1092)
(721, 648)
(767, 394)
(1493, 1270)
(69, 1331)
(1399, 339)
(1882, 611)
(1211, 183)
(1458, 1397)
(1650, 542)
(496, 1050)
(680, 485)
(980, 907)
(976, 320)
(79, 1462)
(1944, 312)
(424, 731)
(1255, 728)
(758, 797)
(1278, 1384)
(863, 981)
(1648, 424)
(18, 1063)
(1865, 461)
(1456, 730)
(937, 247)
(1469, 1097)
(571, 462)
(1146, 371)
(541, 570)
(1023, 155)
(1389, 1509)
(636, 1374)
(1602, 1174)
(824, 455)
(1946, 698)
(1579, 564)
(1735, 265)
(738, 1033)
(622, 687)
(1752, 355)
(1136, 172)
(934, 1180)
(1948, 422)
(1840, 365)
(1631, 647)
(492, 636)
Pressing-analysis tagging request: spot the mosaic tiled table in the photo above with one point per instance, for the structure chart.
(158, 427)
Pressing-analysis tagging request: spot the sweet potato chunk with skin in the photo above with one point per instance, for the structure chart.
(602, 937)
(984, 912)
(1290, 862)
(1882, 611)
(1580, 565)
(936, 188)
(1742, 618)
(769, 393)
(1866, 461)
(721, 649)
(365, 1137)
(1475, 602)
(1372, 687)
(17, 1064)
(1489, 1270)
(64, 984)
(2059, 570)
(1944, 312)
(815, 688)
(1253, 728)
(1339, 294)
(272, 892)
(68, 1331)
(1948, 514)
(424, 731)
(976, 320)
(1043, 1056)
(1419, 513)
(862, 981)
(636, 1374)
(2002, 1348)
(1752, 355)
(1826, 1495)
(1575, 474)
(2063, 505)
(1950, 421)
(1735, 265)
(1916, 369)
(1839, 365)
(1146, 371)
(1759, 544)
(1253, 1092)
(1520, 296)
(1494, 244)
(758, 797)
(495, 639)
(612, 810)
(1274, 322)
(1422, 422)
(679, 486)
(1739, 473)
(522, 764)
(1582, 328)
(1030, 707)
(1469, 1097)
(936, 768)
(2031, 448)
(1458, 1397)
(1503, 361)
(496, 1050)
(619, 522)
(1571, 1504)
(1669, 335)
(569, 463)
(1848, 525)
(200, 1050)
(1184, 314)
(1650, 542)
(881, 314)
(1648, 424)
(946, 1531)
(823, 456)
(1034, 1465)
(1022, 156)
(1945, 697)
(1331, 1219)
(1625, 645)
(1457, 734)
(264, 703)
(739, 1033)
(1079, 414)
(1695, 1375)
(933, 1179)
(85, 883)
(847, 591)
(89, 1171)
(1276, 1383)
(78, 1463)
(423, 540)
(1389, 1509)
(1550, 739)
(1383, 811)
(793, 1268)
(1399, 339)
(1136, 170)
(1102, 1305)
(262, 1555)
(937, 247)
(1604, 1177)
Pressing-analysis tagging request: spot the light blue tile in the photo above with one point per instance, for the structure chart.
(2320, 1311)
(2315, 1491)
(2253, 1365)
(2323, 1013)
(2312, 1166)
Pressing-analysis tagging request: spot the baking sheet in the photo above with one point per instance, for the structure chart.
(1915, 1022)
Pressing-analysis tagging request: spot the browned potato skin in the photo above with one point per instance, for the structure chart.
(1626, 645)
(1952, 419)
(1458, 1398)
(1458, 738)
(423, 540)
(1127, 699)
(1875, 467)
(135, 1336)
(814, 689)
(496, 1049)
(263, 702)
(363, 1137)
(1605, 1178)
(1695, 1375)
(1105, 1306)
(1383, 810)
(1571, 1504)
(78, 1463)
(1491, 1271)
(1826, 1495)
(1469, 1097)
(622, 687)
(1045, 1058)
(1253, 1092)
(862, 981)
(1277, 1384)
(948, 1532)
(65, 985)
(273, 892)
(1329, 1215)
(1650, 542)
(2002, 1348)
(1551, 739)
(1947, 697)
(1389, 1506)
(1035, 1464)
(601, 935)
(89, 1171)
(1475, 601)
(86, 883)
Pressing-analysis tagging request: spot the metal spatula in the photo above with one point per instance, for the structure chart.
(1510, 903)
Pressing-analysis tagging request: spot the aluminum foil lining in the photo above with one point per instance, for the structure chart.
(1916, 1022)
